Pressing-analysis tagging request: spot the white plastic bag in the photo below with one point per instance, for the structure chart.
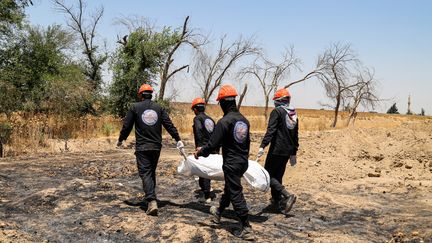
(211, 168)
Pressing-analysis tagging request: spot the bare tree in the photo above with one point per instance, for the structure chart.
(319, 68)
(337, 63)
(269, 74)
(186, 37)
(364, 93)
(210, 70)
(87, 33)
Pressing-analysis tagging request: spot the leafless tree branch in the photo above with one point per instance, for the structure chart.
(210, 70)
(269, 74)
(87, 34)
(338, 62)
(187, 37)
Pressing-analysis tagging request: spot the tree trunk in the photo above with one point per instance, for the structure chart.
(162, 90)
(351, 116)
(336, 111)
(266, 108)
(243, 94)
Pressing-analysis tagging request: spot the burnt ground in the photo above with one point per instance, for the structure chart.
(95, 197)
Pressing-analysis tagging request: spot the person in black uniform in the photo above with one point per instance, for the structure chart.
(282, 133)
(203, 127)
(232, 133)
(148, 118)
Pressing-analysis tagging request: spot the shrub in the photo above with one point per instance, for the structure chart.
(107, 129)
(5, 135)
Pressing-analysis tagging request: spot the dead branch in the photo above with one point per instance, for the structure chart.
(336, 75)
(87, 33)
(269, 74)
(210, 70)
(187, 37)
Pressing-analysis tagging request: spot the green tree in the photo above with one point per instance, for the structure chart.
(11, 15)
(137, 61)
(37, 75)
(393, 109)
(67, 93)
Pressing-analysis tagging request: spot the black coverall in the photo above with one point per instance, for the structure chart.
(148, 118)
(282, 132)
(203, 127)
(232, 133)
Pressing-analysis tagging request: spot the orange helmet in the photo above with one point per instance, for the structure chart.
(225, 91)
(281, 93)
(145, 88)
(197, 101)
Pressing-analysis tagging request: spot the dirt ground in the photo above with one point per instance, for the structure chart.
(353, 185)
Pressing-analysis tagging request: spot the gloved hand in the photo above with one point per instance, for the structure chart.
(197, 151)
(260, 153)
(180, 145)
(119, 144)
(293, 160)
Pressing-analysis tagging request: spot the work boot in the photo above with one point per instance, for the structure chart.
(152, 208)
(203, 199)
(245, 233)
(287, 203)
(216, 216)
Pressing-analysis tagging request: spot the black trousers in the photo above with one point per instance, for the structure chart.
(233, 190)
(147, 162)
(205, 186)
(275, 165)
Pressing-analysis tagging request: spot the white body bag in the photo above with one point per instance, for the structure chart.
(211, 168)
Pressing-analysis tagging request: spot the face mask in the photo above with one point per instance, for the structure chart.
(281, 102)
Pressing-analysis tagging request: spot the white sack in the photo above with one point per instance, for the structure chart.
(211, 168)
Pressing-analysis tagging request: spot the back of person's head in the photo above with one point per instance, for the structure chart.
(199, 108)
(145, 91)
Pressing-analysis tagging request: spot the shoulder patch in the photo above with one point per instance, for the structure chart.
(240, 131)
(209, 125)
(149, 117)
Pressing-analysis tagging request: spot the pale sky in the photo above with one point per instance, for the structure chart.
(394, 37)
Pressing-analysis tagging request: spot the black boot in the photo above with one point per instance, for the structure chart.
(287, 202)
(245, 231)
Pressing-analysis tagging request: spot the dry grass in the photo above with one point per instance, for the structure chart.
(309, 120)
(32, 133)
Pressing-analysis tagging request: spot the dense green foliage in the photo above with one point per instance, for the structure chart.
(11, 15)
(135, 62)
(41, 70)
(38, 76)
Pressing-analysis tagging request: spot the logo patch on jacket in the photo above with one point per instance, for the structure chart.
(291, 118)
(209, 125)
(149, 117)
(240, 131)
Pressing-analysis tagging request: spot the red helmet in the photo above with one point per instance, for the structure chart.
(225, 91)
(197, 101)
(145, 88)
(281, 93)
